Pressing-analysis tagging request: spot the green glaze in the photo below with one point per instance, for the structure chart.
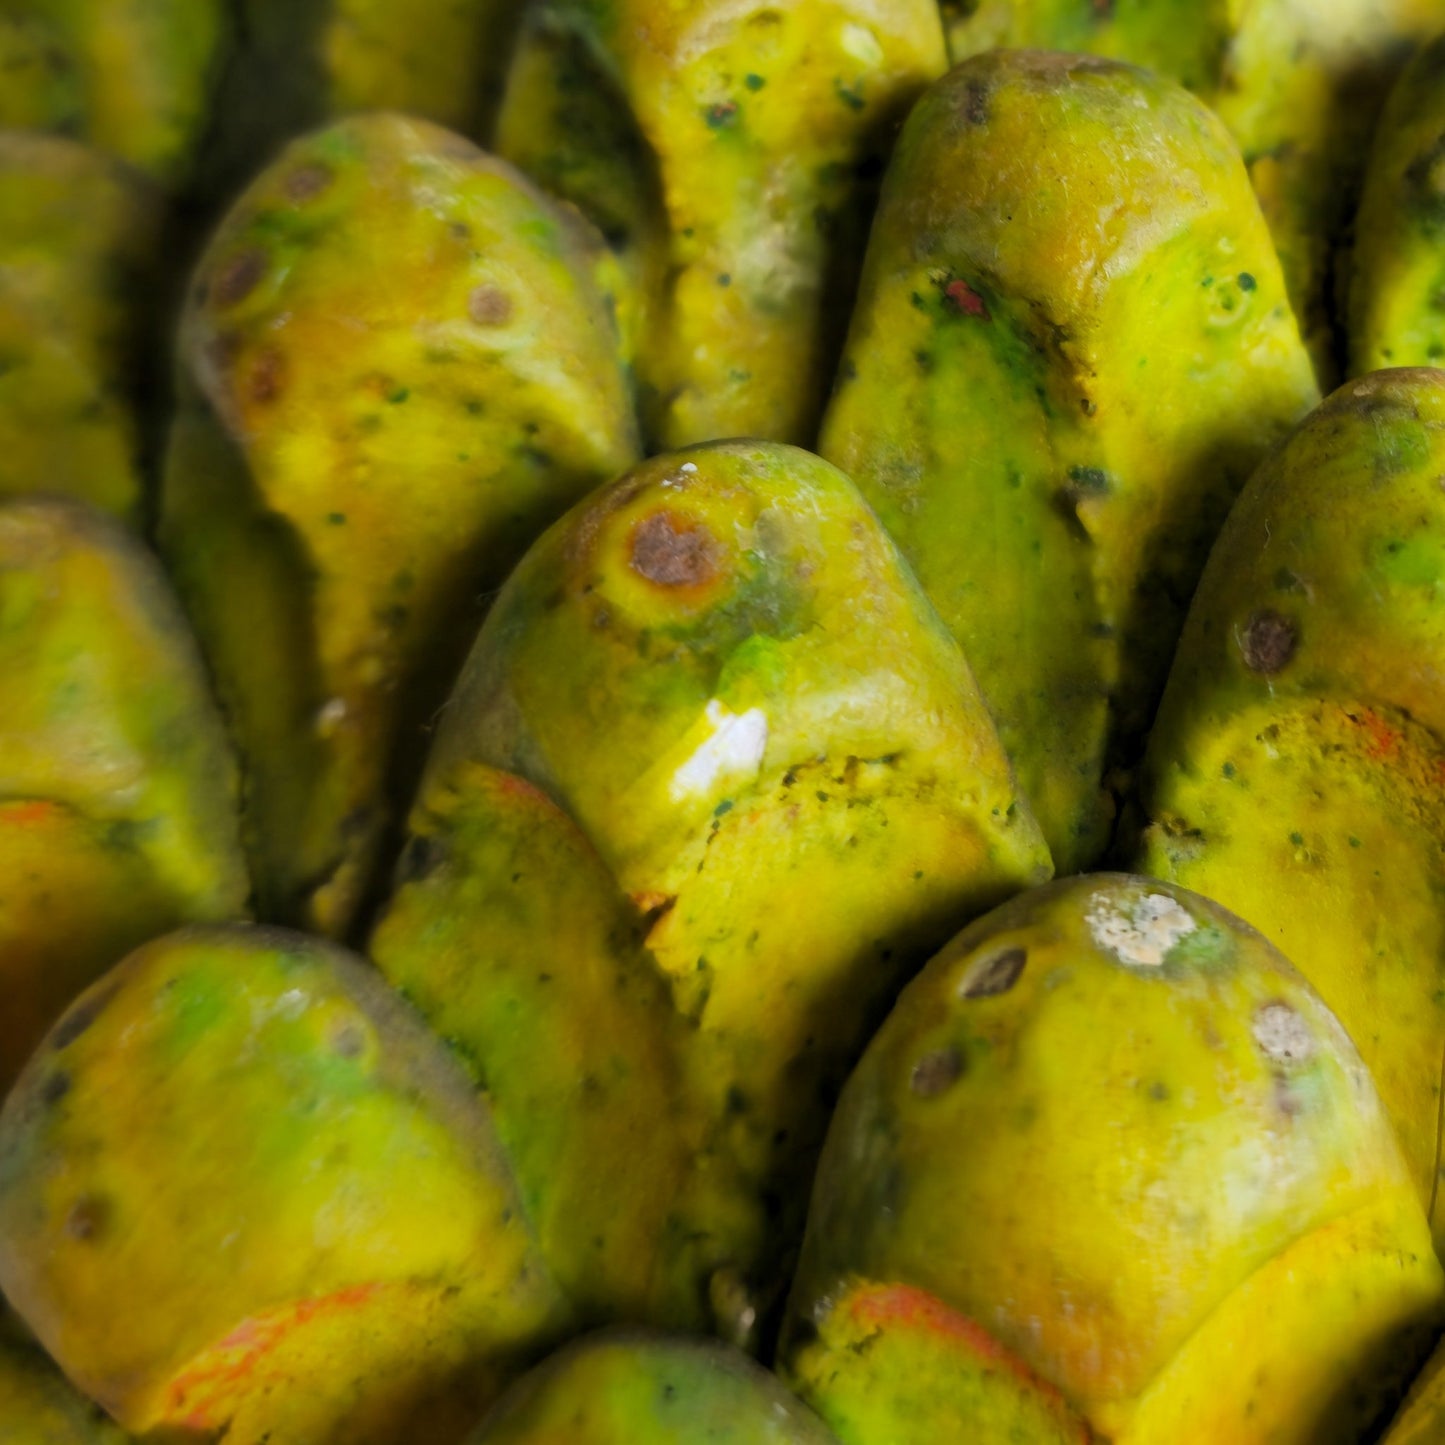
(117, 788)
(132, 77)
(1299, 84)
(1070, 349)
(396, 371)
(1422, 1419)
(243, 1133)
(559, 1014)
(1294, 771)
(730, 153)
(77, 239)
(1180, 1202)
(636, 1389)
(298, 64)
(721, 669)
(1397, 282)
(38, 1406)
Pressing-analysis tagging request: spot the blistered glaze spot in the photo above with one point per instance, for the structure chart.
(736, 746)
(1282, 1035)
(1141, 933)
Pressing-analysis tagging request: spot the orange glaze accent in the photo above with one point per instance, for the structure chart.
(1384, 741)
(35, 810)
(236, 1357)
(902, 1304)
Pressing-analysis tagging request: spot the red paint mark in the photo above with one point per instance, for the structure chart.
(223, 1374)
(21, 814)
(966, 299)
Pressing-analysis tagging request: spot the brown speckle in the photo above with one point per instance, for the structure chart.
(237, 277)
(996, 974)
(672, 552)
(266, 376)
(307, 181)
(1286, 1100)
(419, 858)
(87, 1218)
(489, 305)
(934, 1072)
(1267, 642)
(55, 1088)
(975, 102)
(81, 1016)
(349, 1040)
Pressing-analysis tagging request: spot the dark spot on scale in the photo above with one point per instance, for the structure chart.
(237, 277)
(997, 974)
(1103, 9)
(672, 552)
(349, 1041)
(81, 1016)
(266, 376)
(419, 857)
(55, 1088)
(307, 181)
(1286, 1099)
(1089, 481)
(357, 823)
(934, 1072)
(975, 102)
(489, 305)
(1267, 642)
(87, 1218)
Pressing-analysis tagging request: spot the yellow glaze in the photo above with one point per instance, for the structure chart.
(1294, 772)
(558, 1013)
(630, 1388)
(730, 150)
(38, 1407)
(244, 1142)
(397, 370)
(1397, 267)
(1114, 1128)
(1070, 349)
(117, 788)
(77, 239)
(719, 667)
(298, 64)
(132, 77)
(1299, 83)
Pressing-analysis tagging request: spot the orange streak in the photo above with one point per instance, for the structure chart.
(217, 1373)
